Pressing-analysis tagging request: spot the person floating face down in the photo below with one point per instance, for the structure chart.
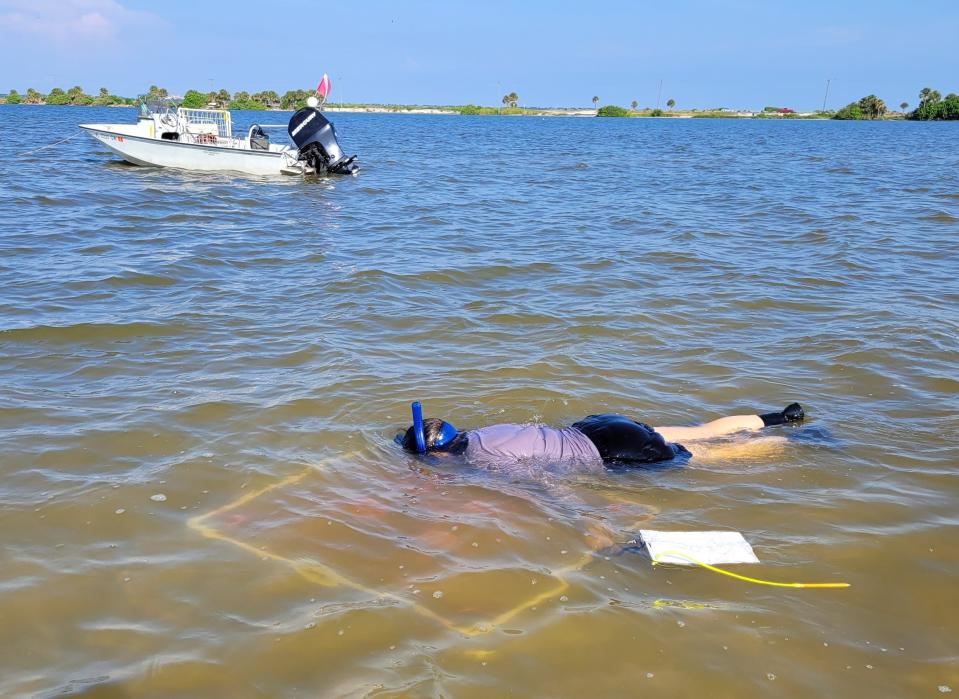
(610, 439)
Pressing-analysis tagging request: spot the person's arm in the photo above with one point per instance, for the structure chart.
(731, 424)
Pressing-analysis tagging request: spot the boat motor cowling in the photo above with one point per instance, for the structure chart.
(315, 137)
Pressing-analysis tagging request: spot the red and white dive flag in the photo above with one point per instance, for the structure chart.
(323, 89)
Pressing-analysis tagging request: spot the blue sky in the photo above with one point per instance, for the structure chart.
(708, 53)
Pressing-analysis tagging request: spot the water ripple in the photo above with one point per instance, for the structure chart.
(205, 337)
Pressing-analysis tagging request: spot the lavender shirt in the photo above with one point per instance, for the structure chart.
(499, 443)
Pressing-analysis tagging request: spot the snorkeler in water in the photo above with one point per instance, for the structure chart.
(613, 440)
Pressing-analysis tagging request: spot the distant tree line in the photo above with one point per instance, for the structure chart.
(869, 107)
(932, 106)
(220, 99)
(267, 99)
(75, 95)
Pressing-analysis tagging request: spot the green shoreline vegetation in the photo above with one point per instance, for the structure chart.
(932, 106)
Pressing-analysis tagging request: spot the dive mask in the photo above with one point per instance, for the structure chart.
(447, 431)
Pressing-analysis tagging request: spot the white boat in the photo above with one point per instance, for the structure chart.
(203, 139)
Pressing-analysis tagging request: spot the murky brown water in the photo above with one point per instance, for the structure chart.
(201, 377)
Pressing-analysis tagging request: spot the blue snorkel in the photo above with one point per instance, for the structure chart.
(441, 438)
(418, 427)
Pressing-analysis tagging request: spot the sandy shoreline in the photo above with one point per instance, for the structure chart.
(526, 112)
(438, 110)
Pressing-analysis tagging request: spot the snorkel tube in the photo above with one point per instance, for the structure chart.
(441, 438)
(418, 427)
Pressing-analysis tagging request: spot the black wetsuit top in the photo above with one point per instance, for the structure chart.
(620, 440)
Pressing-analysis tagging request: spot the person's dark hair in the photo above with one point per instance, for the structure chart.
(432, 430)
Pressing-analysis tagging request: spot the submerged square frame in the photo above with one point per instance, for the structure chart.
(327, 576)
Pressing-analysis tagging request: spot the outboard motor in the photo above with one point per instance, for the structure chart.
(315, 137)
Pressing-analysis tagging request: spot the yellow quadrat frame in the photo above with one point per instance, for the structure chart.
(321, 574)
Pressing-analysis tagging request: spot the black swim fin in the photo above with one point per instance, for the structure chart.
(791, 413)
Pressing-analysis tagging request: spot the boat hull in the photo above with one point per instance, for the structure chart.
(144, 150)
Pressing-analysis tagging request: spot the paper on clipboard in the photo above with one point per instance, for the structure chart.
(706, 547)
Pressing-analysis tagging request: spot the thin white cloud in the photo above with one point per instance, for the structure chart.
(70, 20)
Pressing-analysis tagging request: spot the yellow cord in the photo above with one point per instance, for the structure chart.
(677, 554)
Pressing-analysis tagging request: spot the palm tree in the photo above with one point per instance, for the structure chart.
(904, 106)
(872, 107)
(76, 95)
(595, 101)
(634, 104)
(56, 96)
(880, 108)
(927, 94)
(671, 103)
(269, 98)
(290, 99)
